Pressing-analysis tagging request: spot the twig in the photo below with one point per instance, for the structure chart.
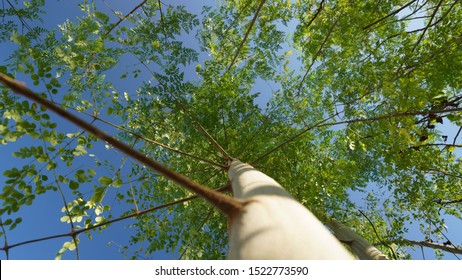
(125, 17)
(155, 142)
(210, 212)
(316, 56)
(318, 11)
(77, 232)
(378, 236)
(428, 25)
(5, 243)
(133, 195)
(255, 16)
(389, 15)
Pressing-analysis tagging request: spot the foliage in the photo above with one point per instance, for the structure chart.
(334, 99)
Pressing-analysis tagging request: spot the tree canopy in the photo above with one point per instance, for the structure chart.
(353, 106)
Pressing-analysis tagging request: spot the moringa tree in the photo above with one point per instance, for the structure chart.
(334, 100)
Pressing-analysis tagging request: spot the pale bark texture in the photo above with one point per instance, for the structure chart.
(430, 244)
(273, 225)
(360, 247)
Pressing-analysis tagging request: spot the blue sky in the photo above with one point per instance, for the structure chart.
(43, 217)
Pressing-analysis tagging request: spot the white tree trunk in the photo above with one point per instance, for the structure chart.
(363, 249)
(273, 225)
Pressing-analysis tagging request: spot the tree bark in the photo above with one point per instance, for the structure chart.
(448, 248)
(363, 249)
(272, 224)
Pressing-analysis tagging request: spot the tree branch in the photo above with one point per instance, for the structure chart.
(5, 240)
(318, 11)
(125, 17)
(226, 204)
(77, 232)
(155, 142)
(196, 123)
(428, 25)
(389, 15)
(254, 19)
(377, 234)
(363, 249)
(316, 56)
(448, 248)
(323, 124)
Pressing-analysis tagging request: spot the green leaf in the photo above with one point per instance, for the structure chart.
(73, 185)
(79, 151)
(98, 195)
(102, 16)
(99, 219)
(117, 183)
(81, 176)
(105, 181)
(91, 172)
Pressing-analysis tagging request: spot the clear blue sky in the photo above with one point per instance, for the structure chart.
(42, 218)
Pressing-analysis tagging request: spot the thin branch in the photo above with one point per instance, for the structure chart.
(254, 19)
(431, 56)
(63, 197)
(133, 195)
(121, 248)
(436, 144)
(290, 139)
(226, 204)
(136, 214)
(428, 25)
(77, 232)
(324, 124)
(447, 202)
(447, 12)
(68, 213)
(423, 253)
(457, 135)
(5, 240)
(161, 13)
(448, 242)
(210, 212)
(318, 12)
(316, 56)
(378, 236)
(222, 166)
(394, 115)
(196, 123)
(198, 170)
(18, 14)
(390, 14)
(125, 17)
(445, 173)
(255, 133)
(415, 11)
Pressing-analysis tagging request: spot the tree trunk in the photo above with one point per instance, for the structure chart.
(272, 224)
(363, 249)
